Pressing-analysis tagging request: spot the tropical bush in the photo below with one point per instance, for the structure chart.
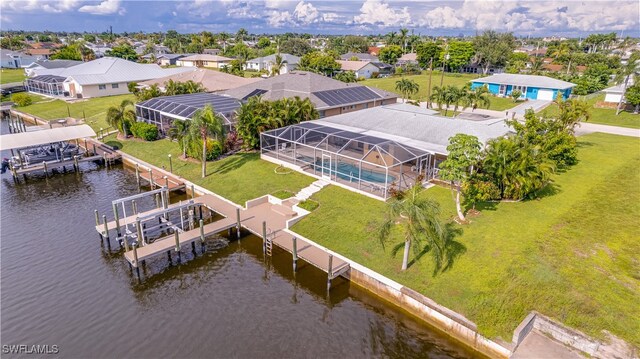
(145, 131)
(21, 99)
(256, 116)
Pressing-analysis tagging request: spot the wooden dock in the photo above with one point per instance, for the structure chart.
(157, 180)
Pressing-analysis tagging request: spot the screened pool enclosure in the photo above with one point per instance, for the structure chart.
(367, 163)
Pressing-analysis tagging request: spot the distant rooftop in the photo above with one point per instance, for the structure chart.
(288, 58)
(185, 106)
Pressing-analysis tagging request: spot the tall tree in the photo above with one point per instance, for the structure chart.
(390, 54)
(319, 62)
(407, 87)
(464, 155)
(403, 39)
(277, 65)
(479, 97)
(626, 73)
(207, 123)
(493, 49)
(459, 53)
(418, 219)
(120, 117)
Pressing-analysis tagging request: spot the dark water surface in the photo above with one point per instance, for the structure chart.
(61, 287)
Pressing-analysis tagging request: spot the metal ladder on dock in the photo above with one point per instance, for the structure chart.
(268, 243)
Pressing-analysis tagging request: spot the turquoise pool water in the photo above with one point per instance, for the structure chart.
(349, 172)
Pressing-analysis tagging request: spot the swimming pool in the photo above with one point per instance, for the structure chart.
(349, 172)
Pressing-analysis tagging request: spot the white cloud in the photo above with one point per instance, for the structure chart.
(539, 16)
(306, 13)
(106, 7)
(376, 12)
(278, 4)
(279, 18)
(35, 5)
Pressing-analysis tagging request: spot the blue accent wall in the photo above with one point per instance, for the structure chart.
(532, 92)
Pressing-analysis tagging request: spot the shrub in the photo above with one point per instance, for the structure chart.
(145, 131)
(214, 149)
(21, 99)
(515, 95)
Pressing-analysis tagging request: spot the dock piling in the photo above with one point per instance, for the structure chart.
(329, 271)
(295, 254)
(46, 172)
(115, 214)
(264, 237)
(202, 234)
(166, 181)
(151, 178)
(95, 212)
(193, 191)
(106, 228)
(76, 164)
(138, 175)
(134, 206)
(238, 222)
(139, 232)
(135, 259)
(177, 236)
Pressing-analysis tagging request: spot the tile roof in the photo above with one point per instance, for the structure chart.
(288, 58)
(206, 57)
(303, 84)
(212, 80)
(414, 126)
(111, 70)
(352, 65)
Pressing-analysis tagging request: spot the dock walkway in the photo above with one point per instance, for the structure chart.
(258, 211)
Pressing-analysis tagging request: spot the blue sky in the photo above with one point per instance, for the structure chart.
(525, 17)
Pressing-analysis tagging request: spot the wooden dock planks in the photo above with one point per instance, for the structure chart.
(160, 246)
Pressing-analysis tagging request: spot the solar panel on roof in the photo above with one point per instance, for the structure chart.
(256, 92)
(347, 95)
(187, 105)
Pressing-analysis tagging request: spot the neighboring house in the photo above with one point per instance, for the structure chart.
(213, 81)
(16, 59)
(40, 53)
(266, 62)
(563, 68)
(102, 77)
(360, 56)
(203, 60)
(374, 150)
(170, 59)
(162, 111)
(411, 58)
(40, 65)
(157, 50)
(211, 51)
(362, 69)
(615, 93)
(329, 96)
(374, 50)
(383, 68)
(98, 50)
(476, 68)
(532, 87)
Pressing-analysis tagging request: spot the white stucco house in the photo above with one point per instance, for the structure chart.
(266, 63)
(362, 69)
(106, 76)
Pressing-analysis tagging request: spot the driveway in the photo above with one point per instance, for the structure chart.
(536, 105)
(586, 128)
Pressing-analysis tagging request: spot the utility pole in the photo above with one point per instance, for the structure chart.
(429, 87)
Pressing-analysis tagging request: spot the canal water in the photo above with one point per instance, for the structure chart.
(60, 286)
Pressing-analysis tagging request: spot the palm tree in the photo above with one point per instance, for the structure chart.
(479, 97)
(277, 65)
(241, 34)
(180, 131)
(572, 112)
(207, 123)
(253, 118)
(563, 50)
(403, 38)
(458, 97)
(536, 65)
(407, 87)
(119, 117)
(223, 36)
(439, 96)
(625, 73)
(419, 221)
(391, 38)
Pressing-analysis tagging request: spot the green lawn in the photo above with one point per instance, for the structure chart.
(572, 255)
(603, 116)
(459, 80)
(93, 109)
(11, 75)
(240, 177)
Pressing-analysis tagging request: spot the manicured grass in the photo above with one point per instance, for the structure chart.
(309, 204)
(239, 177)
(11, 75)
(93, 109)
(459, 80)
(603, 116)
(572, 254)
(282, 194)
